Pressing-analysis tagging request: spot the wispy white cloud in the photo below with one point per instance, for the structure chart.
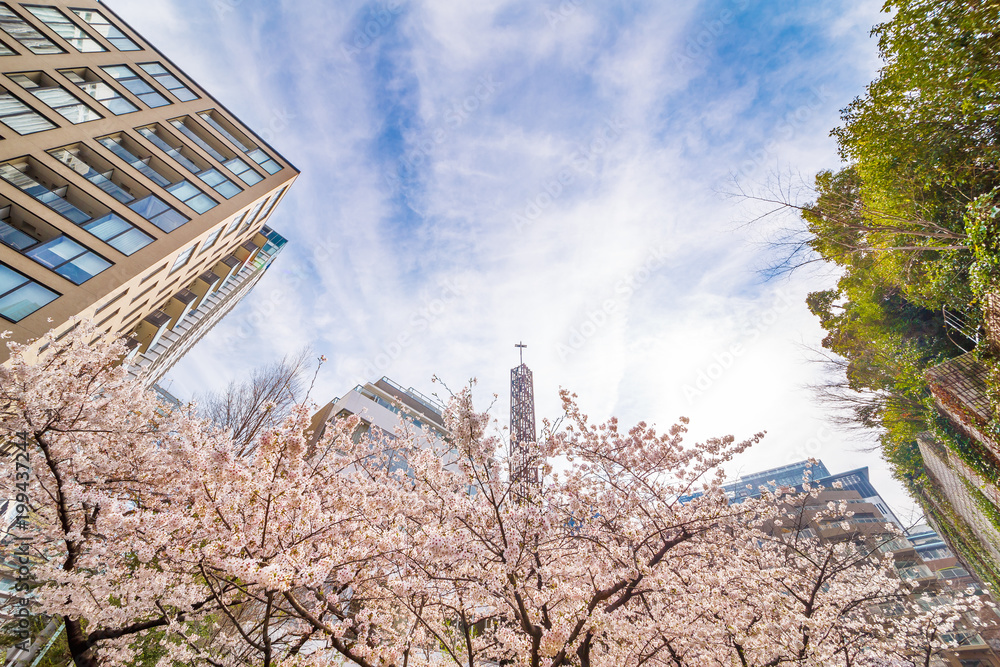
(461, 190)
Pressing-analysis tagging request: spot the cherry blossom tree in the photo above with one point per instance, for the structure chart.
(154, 533)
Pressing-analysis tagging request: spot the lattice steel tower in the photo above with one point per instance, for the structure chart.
(524, 465)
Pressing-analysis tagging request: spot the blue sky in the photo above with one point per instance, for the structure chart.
(474, 174)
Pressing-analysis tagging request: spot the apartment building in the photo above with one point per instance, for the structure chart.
(383, 406)
(128, 194)
(921, 556)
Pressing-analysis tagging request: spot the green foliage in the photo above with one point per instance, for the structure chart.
(984, 504)
(913, 222)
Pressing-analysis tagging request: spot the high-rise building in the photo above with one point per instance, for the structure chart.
(795, 475)
(920, 555)
(128, 195)
(383, 406)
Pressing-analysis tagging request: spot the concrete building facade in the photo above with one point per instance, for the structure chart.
(128, 195)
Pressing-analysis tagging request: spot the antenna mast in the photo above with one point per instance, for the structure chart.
(524, 472)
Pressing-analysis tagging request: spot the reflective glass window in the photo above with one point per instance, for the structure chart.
(159, 213)
(22, 31)
(98, 22)
(69, 259)
(20, 296)
(182, 259)
(265, 161)
(58, 99)
(243, 171)
(60, 24)
(21, 118)
(107, 96)
(120, 234)
(169, 81)
(91, 174)
(132, 82)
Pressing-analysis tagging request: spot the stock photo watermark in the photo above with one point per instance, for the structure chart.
(581, 162)
(708, 33)
(291, 278)
(454, 117)
(557, 14)
(723, 361)
(380, 18)
(419, 321)
(597, 318)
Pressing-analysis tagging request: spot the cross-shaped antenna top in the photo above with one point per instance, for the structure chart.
(521, 347)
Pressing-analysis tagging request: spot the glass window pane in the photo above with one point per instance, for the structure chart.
(271, 167)
(79, 113)
(24, 301)
(149, 207)
(54, 97)
(20, 30)
(251, 177)
(27, 123)
(10, 279)
(154, 100)
(227, 189)
(212, 177)
(202, 203)
(124, 44)
(15, 238)
(137, 86)
(56, 252)
(154, 68)
(183, 190)
(119, 106)
(131, 241)
(83, 268)
(184, 94)
(170, 220)
(99, 23)
(107, 227)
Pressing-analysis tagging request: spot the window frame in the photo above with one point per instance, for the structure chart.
(28, 280)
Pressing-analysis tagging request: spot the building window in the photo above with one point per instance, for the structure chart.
(210, 119)
(187, 131)
(20, 296)
(182, 259)
(74, 162)
(114, 145)
(60, 24)
(168, 81)
(56, 97)
(69, 259)
(6, 50)
(243, 171)
(220, 183)
(180, 188)
(12, 237)
(265, 161)
(54, 200)
(255, 154)
(119, 234)
(210, 241)
(213, 177)
(132, 82)
(104, 28)
(159, 213)
(235, 222)
(21, 30)
(187, 192)
(108, 97)
(21, 118)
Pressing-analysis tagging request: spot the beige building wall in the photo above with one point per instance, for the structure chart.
(177, 133)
